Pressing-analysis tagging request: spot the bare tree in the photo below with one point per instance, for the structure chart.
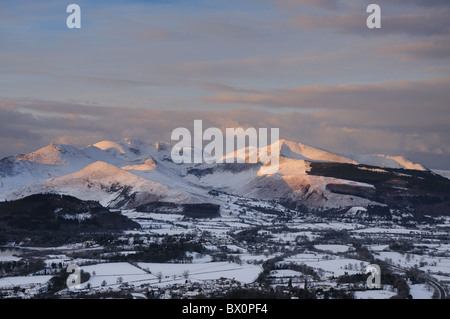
(159, 275)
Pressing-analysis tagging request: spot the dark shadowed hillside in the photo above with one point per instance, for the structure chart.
(56, 214)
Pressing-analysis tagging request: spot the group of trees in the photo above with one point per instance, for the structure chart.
(59, 280)
(21, 267)
(401, 247)
(163, 252)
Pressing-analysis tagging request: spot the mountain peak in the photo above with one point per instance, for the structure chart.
(301, 151)
(110, 147)
(386, 161)
(100, 170)
(52, 154)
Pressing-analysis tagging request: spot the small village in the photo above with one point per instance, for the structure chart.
(244, 253)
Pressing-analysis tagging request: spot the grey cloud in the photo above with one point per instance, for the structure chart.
(424, 3)
(323, 4)
(438, 49)
(435, 22)
(353, 131)
(432, 94)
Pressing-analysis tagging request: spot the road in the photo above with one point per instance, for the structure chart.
(438, 287)
(433, 282)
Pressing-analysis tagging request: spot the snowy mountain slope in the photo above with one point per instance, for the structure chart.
(54, 154)
(48, 162)
(130, 172)
(387, 162)
(110, 185)
(55, 161)
(292, 182)
(443, 173)
(294, 150)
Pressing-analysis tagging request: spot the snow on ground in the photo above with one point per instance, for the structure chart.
(244, 273)
(9, 255)
(10, 282)
(199, 258)
(421, 291)
(235, 248)
(440, 247)
(330, 267)
(165, 217)
(325, 226)
(304, 257)
(437, 266)
(249, 258)
(9, 258)
(442, 278)
(445, 173)
(338, 267)
(333, 248)
(110, 274)
(391, 230)
(285, 237)
(56, 259)
(425, 263)
(170, 231)
(374, 294)
(376, 248)
(285, 273)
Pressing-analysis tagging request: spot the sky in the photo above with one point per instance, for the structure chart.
(311, 68)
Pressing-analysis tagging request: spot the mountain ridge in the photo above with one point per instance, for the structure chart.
(130, 173)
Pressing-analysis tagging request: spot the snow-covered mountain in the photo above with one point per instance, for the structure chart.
(130, 173)
(106, 183)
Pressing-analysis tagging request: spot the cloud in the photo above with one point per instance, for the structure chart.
(322, 4)
(334, 5)
(144, 68)
(423, 133)
(438, 49)
(433, 22)
(390, 95)
(407, 3)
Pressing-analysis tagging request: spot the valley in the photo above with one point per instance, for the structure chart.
(255, 248)
(141, 226)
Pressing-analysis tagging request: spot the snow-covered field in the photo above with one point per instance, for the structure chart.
(162, 274)
(374, 294)
(329, 265)
(244, 273)
(418, 291)
(10, 282)
(285, 273)
(113, 274)
(425, 263)
(421, 291)
(9, 255)
(9, 258)
(333, 248)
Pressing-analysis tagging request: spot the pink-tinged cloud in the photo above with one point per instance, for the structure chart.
(323, 4)
(438, 49)
(433, 94)
(421, 132)
(420, 24)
